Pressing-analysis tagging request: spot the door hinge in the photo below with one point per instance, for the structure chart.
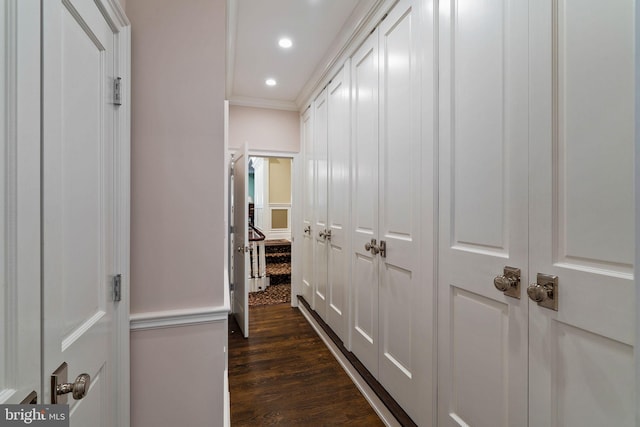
(117, 91)
(117, 287)
(231, 286)
(232, 229)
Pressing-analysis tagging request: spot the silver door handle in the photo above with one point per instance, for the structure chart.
(545, 291)
(509, 282)
(78, 389)
(372, 247)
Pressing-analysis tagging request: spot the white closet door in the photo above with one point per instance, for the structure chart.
(320, 205)
(364, 207)
(338, 202)
(482, 339)
(307, 206)
(399, 178)
(582, 198)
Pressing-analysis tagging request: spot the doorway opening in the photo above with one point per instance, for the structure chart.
(269, 224)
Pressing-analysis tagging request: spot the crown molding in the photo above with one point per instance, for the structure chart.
(263, 103)
(365, 17)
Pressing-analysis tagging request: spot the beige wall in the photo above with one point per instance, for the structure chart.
(177, 222)
(279, 180)
(264, 129)
(172, 371)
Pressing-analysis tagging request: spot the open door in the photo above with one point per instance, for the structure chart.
(241, 238)
(81, 194)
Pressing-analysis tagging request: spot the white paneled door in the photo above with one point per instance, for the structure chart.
(536, 173)
(401, 305)
(338, 202)
(79, 210)
(364, 203)
(241, 240)
(581, 212)
(320, 158)
(482, 342)
(390, 319)
(307, 206)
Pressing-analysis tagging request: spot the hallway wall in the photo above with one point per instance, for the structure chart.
(264, 129)
(177, 214)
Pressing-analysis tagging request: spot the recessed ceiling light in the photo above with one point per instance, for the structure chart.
(270, 82)
(285, 43)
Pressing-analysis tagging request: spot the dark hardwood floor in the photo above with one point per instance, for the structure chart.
(283, 374)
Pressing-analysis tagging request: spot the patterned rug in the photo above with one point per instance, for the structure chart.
(274, 294)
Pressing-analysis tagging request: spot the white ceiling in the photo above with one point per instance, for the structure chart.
(255, 26)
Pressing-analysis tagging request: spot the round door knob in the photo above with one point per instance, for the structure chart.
(78, 388)
(503, 283)
(537, 292)
(367, 246)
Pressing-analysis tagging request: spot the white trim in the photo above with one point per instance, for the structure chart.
(385, 415)
(183, 317)
(637, 213)
(360, 24)
(115, 15)
(278, 154)
(227, 401)
(272, 104)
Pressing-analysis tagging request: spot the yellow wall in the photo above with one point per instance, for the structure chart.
(279, 180)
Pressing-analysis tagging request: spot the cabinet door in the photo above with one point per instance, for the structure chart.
(338, 202)
(320, 205)
(307, 206)
(581, 204)
(482, 339)
(364, 207)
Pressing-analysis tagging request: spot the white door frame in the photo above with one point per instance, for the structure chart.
(637, 213)
(116, 17)
(296, 175)
(20, 306)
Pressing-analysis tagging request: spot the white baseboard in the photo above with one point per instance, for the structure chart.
(385, 415)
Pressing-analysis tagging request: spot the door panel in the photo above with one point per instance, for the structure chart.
(581, 227)
(78, 202)
(478, 327)
(364, 208)
(320, 147)
(241, 240)
(483, 211)
(399, 184)
(338, 202)
(308, 206)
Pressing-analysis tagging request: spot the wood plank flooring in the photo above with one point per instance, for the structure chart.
(284, 375)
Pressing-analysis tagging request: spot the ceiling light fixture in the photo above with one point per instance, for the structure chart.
(270, 82)
(285, 43)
